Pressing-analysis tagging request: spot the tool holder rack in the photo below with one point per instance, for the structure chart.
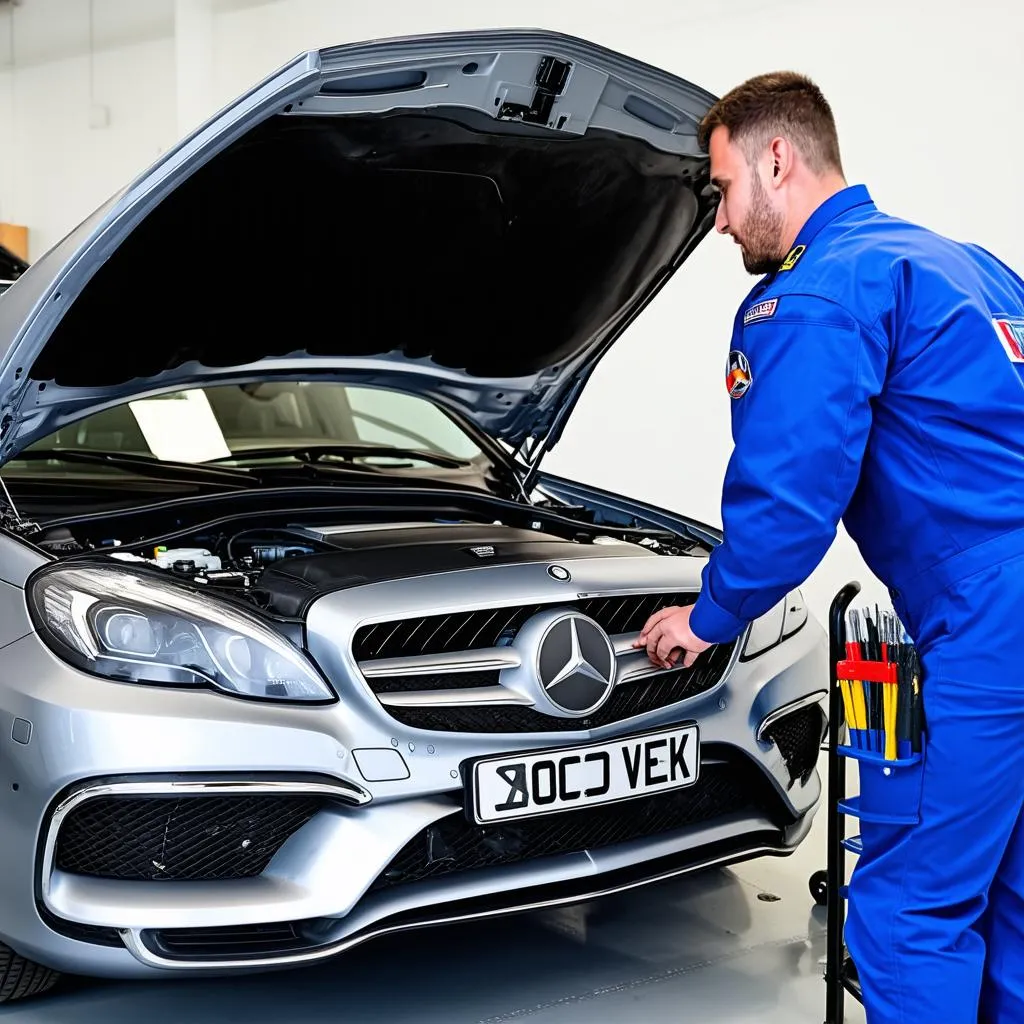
(875, 771)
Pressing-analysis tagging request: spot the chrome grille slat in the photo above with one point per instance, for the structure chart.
(437, 629)
(620, 615)
(481, 659)
(415, 628)
(490, 618)
(387, 639)
(470, 697)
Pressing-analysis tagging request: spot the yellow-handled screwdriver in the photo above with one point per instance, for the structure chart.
(889, 696)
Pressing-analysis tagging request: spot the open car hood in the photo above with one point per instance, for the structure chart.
(473, 218)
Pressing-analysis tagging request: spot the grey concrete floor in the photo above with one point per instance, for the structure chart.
(742, 944)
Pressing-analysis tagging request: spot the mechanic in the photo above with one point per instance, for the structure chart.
(875, 378)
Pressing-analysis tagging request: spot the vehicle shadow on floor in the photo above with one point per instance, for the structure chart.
(464, 974)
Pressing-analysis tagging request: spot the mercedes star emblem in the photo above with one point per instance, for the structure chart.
(560, 573)
(576, 664)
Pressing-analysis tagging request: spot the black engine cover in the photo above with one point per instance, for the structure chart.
(376, 555)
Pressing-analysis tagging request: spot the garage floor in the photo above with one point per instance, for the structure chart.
(736, 945)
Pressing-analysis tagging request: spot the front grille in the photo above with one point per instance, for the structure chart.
(491, 627)
(467, 631)
(454, 844)
(626, 702)
(191, 838)
(798, 737)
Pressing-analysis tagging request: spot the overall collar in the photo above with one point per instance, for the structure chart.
(843, 201)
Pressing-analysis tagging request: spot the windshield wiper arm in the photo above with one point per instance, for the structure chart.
(315, 452)
(145, 465)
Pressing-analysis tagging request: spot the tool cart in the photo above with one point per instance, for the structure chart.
(875, 693)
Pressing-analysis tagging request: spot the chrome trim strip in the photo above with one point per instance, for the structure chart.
(788, 709)
(637, 592)
(132, 937)
(467, 697)
(622, 643)
(487, 659)
(636, 666)
(338, 789)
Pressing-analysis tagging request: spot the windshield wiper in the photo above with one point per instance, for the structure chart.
(144, 465)
(312, 453)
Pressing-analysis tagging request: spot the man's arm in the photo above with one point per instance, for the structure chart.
(800, 432)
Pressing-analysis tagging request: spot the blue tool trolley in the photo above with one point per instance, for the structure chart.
(880, 776)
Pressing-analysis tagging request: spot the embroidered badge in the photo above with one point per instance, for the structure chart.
(1011, 333)
(738, 377)
(793, 257)
(760, 311)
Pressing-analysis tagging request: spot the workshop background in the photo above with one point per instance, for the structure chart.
(926, 94)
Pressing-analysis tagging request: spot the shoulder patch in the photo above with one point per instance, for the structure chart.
(1011, 333)
(738, 376)
(793, 257)
(760, 311)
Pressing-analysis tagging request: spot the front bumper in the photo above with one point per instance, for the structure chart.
(322, 887)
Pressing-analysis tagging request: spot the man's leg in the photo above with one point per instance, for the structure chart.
(1002, 997)
(919, 891)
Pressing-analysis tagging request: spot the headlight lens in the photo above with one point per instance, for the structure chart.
(118, 624)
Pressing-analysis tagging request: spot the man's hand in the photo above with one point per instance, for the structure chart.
(667, 634)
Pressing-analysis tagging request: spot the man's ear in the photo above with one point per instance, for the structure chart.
(781, 160)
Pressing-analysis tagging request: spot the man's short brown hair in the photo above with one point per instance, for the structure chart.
(781, 103)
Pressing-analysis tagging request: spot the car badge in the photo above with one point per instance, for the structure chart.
(575, 665)
(560, 573)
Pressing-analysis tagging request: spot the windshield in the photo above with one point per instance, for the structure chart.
(220, 424)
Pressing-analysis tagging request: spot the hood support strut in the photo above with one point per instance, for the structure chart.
(10, 517)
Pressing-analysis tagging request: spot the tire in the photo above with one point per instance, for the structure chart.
(21, 978)
(818, 885)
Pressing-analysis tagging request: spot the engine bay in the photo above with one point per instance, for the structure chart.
(281, 559)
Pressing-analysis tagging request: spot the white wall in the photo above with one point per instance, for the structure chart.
(54, 168)
(926, 93)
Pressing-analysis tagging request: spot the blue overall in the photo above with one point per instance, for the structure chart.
(876, 380)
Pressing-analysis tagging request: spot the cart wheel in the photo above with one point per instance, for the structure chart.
(819, 887)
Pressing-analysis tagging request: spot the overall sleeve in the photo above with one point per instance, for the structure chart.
(799, 434)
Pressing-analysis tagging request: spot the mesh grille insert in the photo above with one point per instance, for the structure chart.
(178, 838)
(798, 737)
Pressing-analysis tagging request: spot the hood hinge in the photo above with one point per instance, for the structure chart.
(552, 75)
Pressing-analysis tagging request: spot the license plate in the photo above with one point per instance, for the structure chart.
(542, 782)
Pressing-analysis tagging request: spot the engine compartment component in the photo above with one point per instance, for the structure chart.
(268, 553)
(362, 556)
(178, 559)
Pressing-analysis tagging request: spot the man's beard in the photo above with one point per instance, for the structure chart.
(762, 229)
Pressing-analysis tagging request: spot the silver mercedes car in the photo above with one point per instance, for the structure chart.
(298, 643)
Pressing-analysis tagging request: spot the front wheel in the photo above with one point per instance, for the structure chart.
(21, 978)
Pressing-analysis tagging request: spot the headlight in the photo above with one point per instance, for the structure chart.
(118, 624)
(785, 619)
